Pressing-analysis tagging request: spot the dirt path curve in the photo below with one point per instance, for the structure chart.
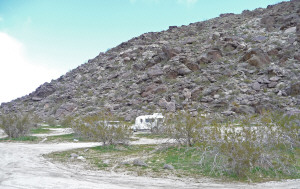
(22, 166)
(55, 132)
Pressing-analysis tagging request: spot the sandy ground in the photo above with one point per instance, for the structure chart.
(23, 166)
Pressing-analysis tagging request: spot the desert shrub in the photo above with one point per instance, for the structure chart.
(251, 145)
(66, 121)
(102, 128)
(51, 121)
(184, 128)
(15, 125)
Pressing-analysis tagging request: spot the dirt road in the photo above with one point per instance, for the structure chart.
(22, 166)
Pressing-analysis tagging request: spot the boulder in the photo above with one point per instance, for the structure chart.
(74, 155)
(36, 98)
(171, 74)
(171, 51)
(163, 103)
(228, 113)
(169, 167)
(272, 84)
(259, 38)
(81, 158)
(216, 35)
(274, 52)
(189, 40)
(153, 89)
(183, 70)
(154, 72)
(44, 91)
(138, 162)
(192, 66)
(187, 94)
(126, 59)
(203, 60)
(275, 78)
(290, 30)
(256, 57)
(195, 93)
(256, 86)
(230, 47)
(214, 55)
(210, 90)
(170, 106)
(65, 109)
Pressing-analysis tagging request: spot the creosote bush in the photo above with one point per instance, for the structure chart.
(251, 145)
(184, 128)
(102, 128)
(15, 125)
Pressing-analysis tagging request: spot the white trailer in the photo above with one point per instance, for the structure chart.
(148, 122)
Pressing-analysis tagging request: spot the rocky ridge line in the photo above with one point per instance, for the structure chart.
(232, 64)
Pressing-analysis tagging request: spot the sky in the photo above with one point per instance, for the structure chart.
(41, 40)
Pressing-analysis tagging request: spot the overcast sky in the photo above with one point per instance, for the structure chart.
(43, 39)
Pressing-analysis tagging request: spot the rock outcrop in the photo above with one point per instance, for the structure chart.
(232, 64)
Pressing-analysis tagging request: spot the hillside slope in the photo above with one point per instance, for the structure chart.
(230, 64)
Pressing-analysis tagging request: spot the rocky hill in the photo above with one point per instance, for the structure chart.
(232, 64)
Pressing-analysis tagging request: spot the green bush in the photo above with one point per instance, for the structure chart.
(249, 145)
(15, 125)
(184, 128)
(102, 128)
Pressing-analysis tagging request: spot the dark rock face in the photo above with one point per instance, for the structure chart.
(171, 52)
(43, 91)
(65, 109)
(256, 57)
(232, 64)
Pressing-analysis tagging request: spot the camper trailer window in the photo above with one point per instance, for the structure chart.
(141, 120)
(149, 120)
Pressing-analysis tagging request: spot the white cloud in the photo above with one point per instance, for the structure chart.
(18, 75)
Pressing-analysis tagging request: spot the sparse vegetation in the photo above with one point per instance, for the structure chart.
(15, 125)
(151, 135)
(67, 138)
(255, 148)
(22, 138)
(39, 130)
(102, 128)
(252, 146)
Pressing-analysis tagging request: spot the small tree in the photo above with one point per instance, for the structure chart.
(15, 125)
(184, 128)
(103, 129)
